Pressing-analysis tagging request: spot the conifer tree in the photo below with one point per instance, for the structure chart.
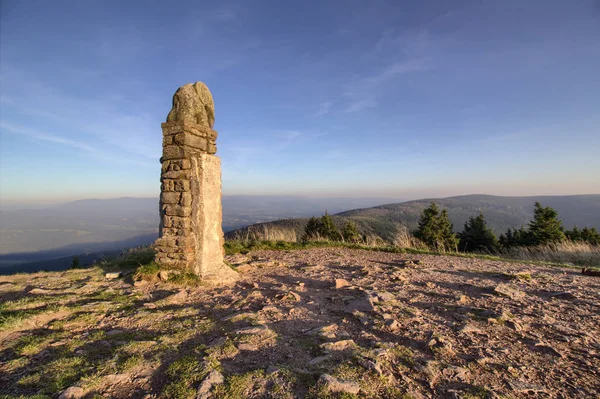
(311, 231)
(476, 236)
(427, 230)
(449, 241)
(321, 228)
(590, 235)
(545, 227)
(435, 229)
(574, 234)
(350, 233)
(328, 229)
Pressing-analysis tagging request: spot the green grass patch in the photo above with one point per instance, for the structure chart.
(128, 362)
(13, 318)
(130, 260)
(148, 271)
(29, 345)
(56, 375)
(183, 374)
(185, 279)
(238, 386)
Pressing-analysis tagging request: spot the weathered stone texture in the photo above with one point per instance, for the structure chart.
(191, 237)
(193, 103)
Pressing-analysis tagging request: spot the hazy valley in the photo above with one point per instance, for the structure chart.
(111, 225)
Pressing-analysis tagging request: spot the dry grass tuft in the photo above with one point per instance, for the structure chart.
(576, 253)
(404, 239)
(266, 232)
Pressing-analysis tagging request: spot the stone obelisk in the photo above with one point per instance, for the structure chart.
(191, 236)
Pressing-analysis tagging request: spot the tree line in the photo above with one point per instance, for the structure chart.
(436, 231)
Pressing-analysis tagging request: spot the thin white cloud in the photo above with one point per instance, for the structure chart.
(364, 92)
(324, 108)
(48, 138)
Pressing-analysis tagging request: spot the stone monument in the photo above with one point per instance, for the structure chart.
(191, 236)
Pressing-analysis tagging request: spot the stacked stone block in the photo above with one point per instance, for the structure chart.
(191, 238)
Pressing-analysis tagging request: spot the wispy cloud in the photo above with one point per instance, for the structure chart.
(324, 108)
(53, 139)
(110, 118)
(48, 138)
(225, 14)
(364, 92)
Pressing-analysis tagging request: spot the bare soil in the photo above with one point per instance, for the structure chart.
(399, 326)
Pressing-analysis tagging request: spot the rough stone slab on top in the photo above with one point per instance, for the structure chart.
(193, 103)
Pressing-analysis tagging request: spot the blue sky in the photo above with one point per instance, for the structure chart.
(403, 99)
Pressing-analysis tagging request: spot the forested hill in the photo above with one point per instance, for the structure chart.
(500, 213)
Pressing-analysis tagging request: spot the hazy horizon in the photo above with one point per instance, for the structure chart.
(12, 204)
(390, 99)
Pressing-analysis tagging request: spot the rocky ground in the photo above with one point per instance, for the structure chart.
(319, 323)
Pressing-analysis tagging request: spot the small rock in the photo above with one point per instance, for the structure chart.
(213, 378)
(439, 342)
(112, 275)
(332, 384)
(508, 291)
(245, 268)
(270, 308)
(453, 372)
(385, 296)
(272, 369)
(392, 325)
(294, 295)
(40, 291)
(244, 346)
(338, 345)
(163, 275)
(520, 386)
(150, 305)
(548, 348)
(260, 329)
(370, 365)
(177, 298)
(341, 283)
(514, 325)
(72, 393)
(562, 295)
(400, 277)
(140, 283)
(325, 332)
(317, 360)
(362, 305)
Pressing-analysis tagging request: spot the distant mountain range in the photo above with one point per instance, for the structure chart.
(501, 213)
(34, 239)
(101, 226)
